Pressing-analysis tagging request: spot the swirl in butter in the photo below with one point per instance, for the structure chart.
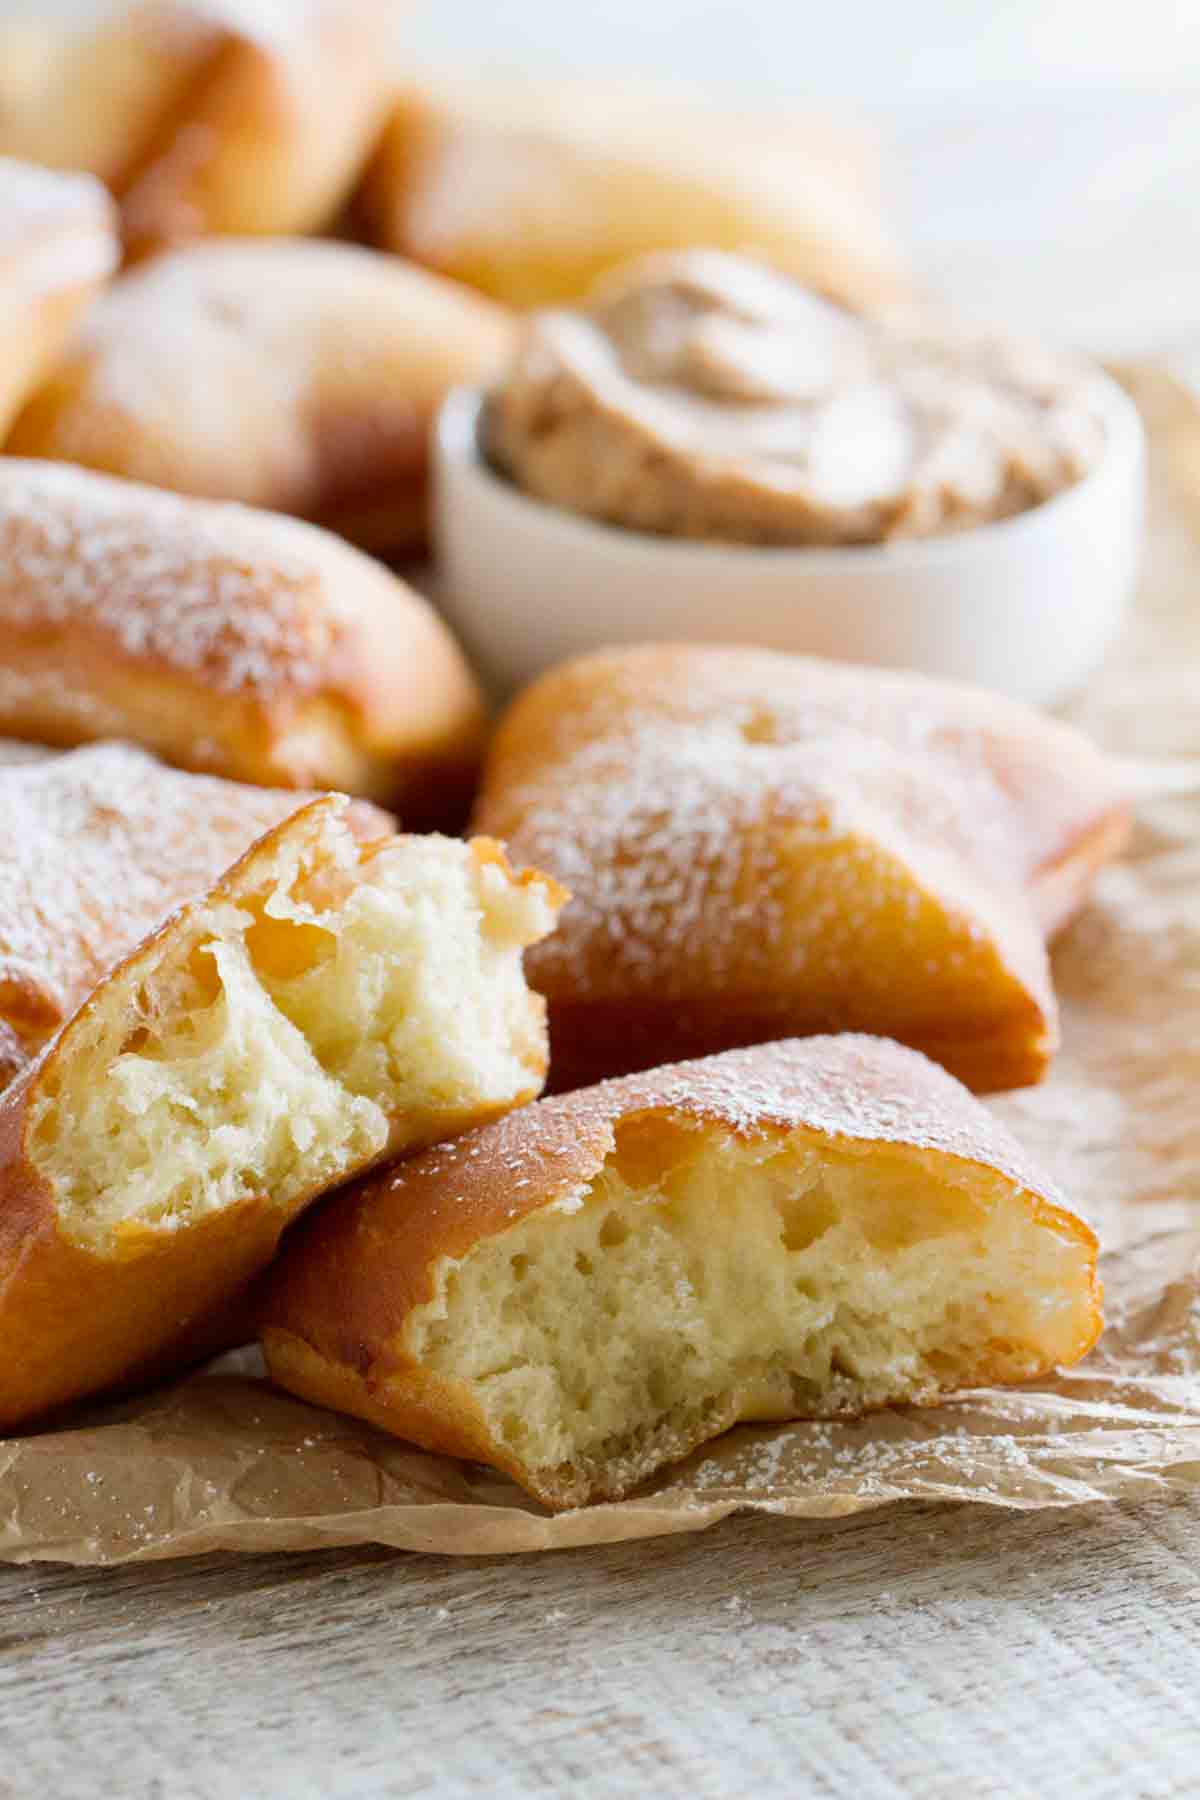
(702, 395)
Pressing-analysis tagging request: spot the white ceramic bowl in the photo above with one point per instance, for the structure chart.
(1028, 605)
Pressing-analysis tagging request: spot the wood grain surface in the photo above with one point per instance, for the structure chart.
(946, 1653)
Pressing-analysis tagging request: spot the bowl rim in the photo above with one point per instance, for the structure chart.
(456, 438)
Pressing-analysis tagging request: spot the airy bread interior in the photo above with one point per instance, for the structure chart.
(700, 1279)
(330, 1009)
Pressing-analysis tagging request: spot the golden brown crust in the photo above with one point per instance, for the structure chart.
(761, 845)
(58, 245)
(101, 845)
(299, 376)
(233, 642)
(589, 1037)
(438, 1415)
(339, 1299)
(73, 1323)
(77, 1318)
(531, 193)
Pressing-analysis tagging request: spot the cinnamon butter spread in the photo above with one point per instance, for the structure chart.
(701, 395)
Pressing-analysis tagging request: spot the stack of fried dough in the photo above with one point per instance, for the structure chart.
(251, 349)
(293, 938)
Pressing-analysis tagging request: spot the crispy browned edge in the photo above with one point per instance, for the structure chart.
(373, 476)
(394, 661)
(74, 1321)
(593, 1038)
(338, 1301)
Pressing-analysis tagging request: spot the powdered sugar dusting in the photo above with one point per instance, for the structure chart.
(243, 601)
(848, 1089)
(101, 844)
(273, 371)
(675, 791)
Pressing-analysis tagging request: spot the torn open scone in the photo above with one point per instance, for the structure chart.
(595, 1285)
(329, 1003)
(101, 844)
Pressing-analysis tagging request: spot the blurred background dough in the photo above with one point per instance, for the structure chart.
(228, 640)
(209, 115)
(303, 376)
(58, 244)
(530, 191)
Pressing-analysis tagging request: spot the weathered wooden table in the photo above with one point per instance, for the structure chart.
(924, 1651)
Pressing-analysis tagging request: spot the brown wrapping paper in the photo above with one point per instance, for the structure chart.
(223, 1462)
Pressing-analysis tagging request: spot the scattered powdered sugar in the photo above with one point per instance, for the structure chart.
(245, 602)
(102, 844)
(707, 809)
(893, 1455)
(848, 1087)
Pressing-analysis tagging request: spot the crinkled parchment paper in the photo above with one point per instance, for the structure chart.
(224, 1462)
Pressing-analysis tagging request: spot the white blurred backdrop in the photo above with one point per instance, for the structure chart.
(1044, 154)
(863, 50)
